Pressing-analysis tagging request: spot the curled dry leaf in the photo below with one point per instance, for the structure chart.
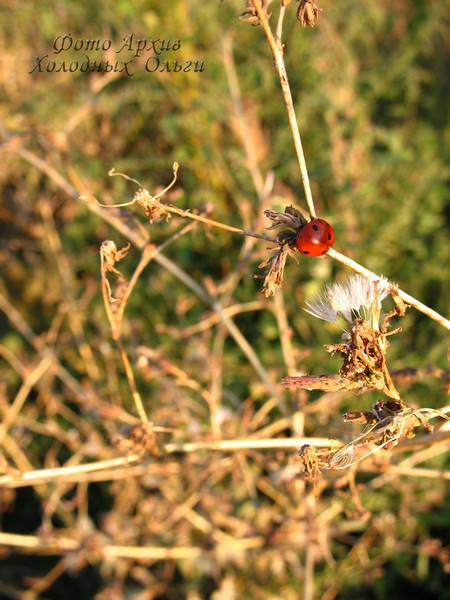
(109, 256)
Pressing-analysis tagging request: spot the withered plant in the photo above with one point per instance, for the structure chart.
(215, 484)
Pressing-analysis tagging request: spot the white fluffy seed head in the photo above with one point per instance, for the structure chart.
(355, 296)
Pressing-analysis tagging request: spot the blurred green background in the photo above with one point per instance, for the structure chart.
(370, 84)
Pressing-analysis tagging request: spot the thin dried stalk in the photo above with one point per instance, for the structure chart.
(138, 240)
(73, 472)
(30, 381)
(426, 310)
(60, 544)
(277, 52)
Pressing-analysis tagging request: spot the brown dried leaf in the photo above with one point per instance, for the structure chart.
(273, 275)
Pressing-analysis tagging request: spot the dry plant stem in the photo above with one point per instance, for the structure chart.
(285, 332)
(275, 427)
(11, 448)
(65, 544)
(277, 52)
(105, 295)
(403, 295)
(132, 382)
(428, 453)
(308, 593)
(216, 381)
(139, 241)
(116, 334)
(42, 584)
(234, 331)
(183, 380)
(229, 311)
(279, 30)
(22, 394)
(395, 471)
(43, 166)
(173, 268)
(186, 214)
(148, 253)
(435, 448)
(58, 370)
(285, 335)
(20, 324)
(74, 472)
(263, 189)
(247, 478)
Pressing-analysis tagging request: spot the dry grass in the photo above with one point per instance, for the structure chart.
(149, 448)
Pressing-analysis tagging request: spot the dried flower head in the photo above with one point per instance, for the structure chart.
(273, 275)
(154, 209)
(364, 344)
(358, 296)
(310, 461)
(308, 13)
(290, 223)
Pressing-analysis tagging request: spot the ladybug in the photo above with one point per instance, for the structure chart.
(315, 238)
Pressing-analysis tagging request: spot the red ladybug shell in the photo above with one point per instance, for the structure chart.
(315, 238)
